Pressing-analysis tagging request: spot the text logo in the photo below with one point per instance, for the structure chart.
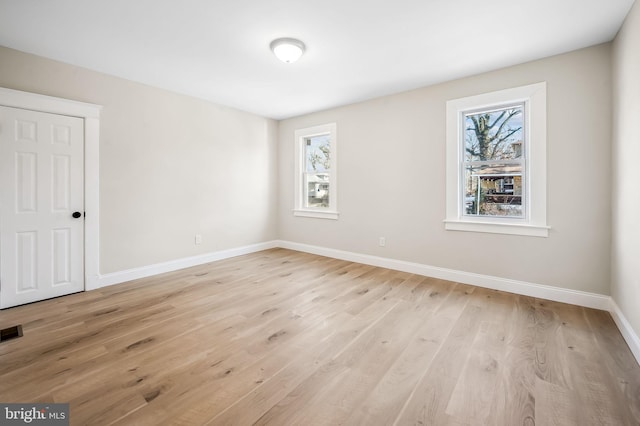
(34, 414)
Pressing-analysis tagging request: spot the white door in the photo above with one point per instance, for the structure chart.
(41, 206)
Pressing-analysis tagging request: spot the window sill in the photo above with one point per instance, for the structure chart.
(317, 214)
(497, 228)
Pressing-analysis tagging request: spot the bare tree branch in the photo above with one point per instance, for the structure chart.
(490, 143)
(498, 119)
(506, 120)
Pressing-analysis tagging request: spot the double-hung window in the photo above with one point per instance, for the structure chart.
(316, 172)
(496, 162)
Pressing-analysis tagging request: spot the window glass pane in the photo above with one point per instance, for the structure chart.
(317, 153)
(493, 190)
(494, 135)
(317, 189)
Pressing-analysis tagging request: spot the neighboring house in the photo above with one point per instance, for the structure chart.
(495, 191)
(318, 190)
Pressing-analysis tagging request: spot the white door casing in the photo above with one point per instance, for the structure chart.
(41, 186)
(90, 115)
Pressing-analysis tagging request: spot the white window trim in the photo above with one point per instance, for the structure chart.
(534, 223)
(299, 209)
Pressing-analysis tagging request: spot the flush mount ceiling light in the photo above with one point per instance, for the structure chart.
(287, 50)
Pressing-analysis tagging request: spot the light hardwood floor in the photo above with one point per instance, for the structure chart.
(287, 338)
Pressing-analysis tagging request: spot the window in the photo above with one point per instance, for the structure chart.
(316, 174)
(496, 162)
(493, 162)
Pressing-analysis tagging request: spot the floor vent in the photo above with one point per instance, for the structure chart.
(11, 333)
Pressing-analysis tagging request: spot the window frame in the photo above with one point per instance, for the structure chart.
(300, 208)
(521, 161)
(534, 219)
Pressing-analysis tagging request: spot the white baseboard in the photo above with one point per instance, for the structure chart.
(174, 265)
(625, 328)
(574, 297)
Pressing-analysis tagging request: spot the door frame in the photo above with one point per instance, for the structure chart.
(90, 113)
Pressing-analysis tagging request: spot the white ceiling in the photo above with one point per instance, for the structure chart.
(356, 49)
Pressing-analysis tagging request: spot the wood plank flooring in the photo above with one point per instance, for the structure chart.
(287, 338)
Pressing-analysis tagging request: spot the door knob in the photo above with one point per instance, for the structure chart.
(76, 215)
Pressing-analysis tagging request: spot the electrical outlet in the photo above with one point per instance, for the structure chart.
(382, 241)
(198, 239)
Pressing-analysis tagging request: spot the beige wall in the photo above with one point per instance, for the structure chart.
(392, 150)
(626, 179)
(171, 166)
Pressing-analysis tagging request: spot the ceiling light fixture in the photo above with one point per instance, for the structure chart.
(287, 50)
